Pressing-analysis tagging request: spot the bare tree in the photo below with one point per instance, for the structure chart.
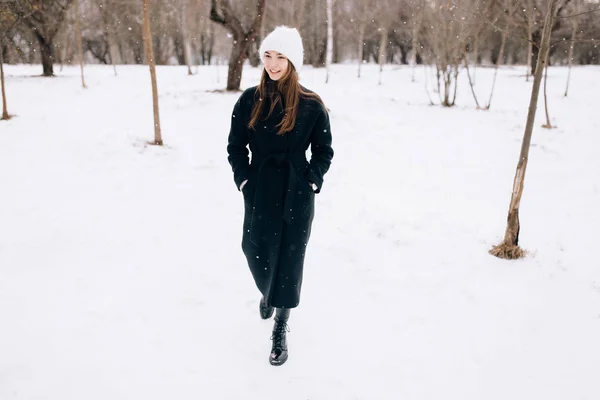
(44, 20)
(446, 39)
(329, 58)
(5, 115)
(222, 13)
(509, 248)
(386, 12)
(509, 7)
(8, 20)
(364, 15)
(547, 125)
(150, 56)
(529, 38)
(109, 27)
(417, 23)
(471, 84)
(187, 52)
(572, 45)
(79, 45)
(537, 33)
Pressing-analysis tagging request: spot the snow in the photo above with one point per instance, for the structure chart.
(122, 275)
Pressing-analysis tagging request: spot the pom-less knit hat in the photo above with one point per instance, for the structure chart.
(287, 41)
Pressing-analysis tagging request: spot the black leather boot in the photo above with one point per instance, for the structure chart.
(266, 311)
(279, 350)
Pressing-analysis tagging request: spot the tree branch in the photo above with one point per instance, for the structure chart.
(260, 10)
(229, 20)
(214, 14)
(581, 13)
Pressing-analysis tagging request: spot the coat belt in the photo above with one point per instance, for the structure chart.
(262, 206)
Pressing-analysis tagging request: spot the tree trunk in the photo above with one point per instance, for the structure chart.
(252, 55)
(447, 83)
(79, 45)
(509, 248)
(222, 13)
(498, 62)
(361, 45)
(236, 64)
(571, 47)
(5, 115)
(476, 54)
(535, 50)
(456, 71)
(150, 55)
(470, 81)
(47, 51)
(112, 45)
(211, 43)
(187, 53)
(329, 58)
(112, 48)
(529, 39)
(415, 39)
(316, 52)
(547, 125)
(382, 51)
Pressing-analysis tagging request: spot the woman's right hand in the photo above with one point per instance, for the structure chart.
(243, 184)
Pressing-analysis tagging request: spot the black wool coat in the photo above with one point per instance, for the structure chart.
(278, 197)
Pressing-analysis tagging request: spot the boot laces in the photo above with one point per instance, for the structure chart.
(279, 333)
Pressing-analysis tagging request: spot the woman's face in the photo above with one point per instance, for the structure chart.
(276, 64)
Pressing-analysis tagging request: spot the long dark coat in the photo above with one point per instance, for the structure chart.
(278, 197)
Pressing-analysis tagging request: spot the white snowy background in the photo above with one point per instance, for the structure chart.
(122, 275)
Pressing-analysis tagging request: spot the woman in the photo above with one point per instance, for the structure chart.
(278, 120)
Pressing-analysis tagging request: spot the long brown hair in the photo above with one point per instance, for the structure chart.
(289, 87)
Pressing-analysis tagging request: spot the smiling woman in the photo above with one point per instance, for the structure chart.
(278, 120)
(275, 64)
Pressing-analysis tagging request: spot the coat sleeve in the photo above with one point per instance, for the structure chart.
(237, 146)
(321, 150)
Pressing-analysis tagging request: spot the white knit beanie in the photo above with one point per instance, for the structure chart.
(287, 41)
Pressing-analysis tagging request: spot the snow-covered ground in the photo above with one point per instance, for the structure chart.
(122, 275)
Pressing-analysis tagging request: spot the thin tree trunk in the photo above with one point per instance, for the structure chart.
(329, 57)
(211, 43)
(426, 88)
(112, 50)
(187, 53)
(509, 248)
(150, 55)
(361, 45)
(79, 40)
(5, 115)
(415, 39)
(571, 47)
(529, 38)
(112, 45)
(315, 60)
(63, 53)
(447, 81)
(547, 125)
(498, 62)
(476, 54)
(382, 51)
(438, 75)
(455, 83)
(262, 27)
(471, 82)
